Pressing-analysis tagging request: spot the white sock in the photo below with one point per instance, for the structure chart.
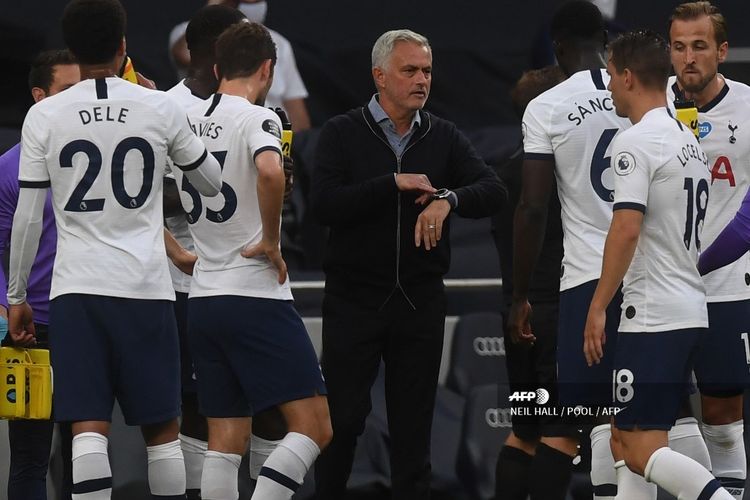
(92, 476)
(193, 450)
(166, 469)
(683, 477)
(260, 450)
(603, 476)
(284, 471)
(631, 486)
(727, 450)
(219, 480)
(685, 437)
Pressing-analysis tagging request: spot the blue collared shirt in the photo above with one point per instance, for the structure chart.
(397, 142)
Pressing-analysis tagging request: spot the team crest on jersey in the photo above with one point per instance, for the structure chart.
(272, 128)
(624, 163)
(704, 129)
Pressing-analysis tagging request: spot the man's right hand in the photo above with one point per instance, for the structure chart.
(414, 182)
(21, 325)
(271, 252)
(519, 322)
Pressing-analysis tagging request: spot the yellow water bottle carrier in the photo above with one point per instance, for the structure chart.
(25, 384)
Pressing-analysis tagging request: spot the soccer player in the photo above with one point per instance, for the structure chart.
(660, 199)
(202, 31)
(250, 347)
(529, 368)
(698, 40)
(268, 427)
(102, 146)
(568, 132)
(30, 440)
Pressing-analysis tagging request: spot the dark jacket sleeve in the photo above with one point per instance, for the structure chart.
(336, 199)
(480, 191)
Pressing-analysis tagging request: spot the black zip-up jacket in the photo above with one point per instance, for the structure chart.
(371, 252)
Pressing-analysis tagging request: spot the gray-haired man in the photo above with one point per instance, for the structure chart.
(386, 177)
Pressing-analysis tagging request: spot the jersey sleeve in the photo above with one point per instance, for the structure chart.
(264, 133)
(537, 143)
(32, 170)
(185, 149)
(633, 168)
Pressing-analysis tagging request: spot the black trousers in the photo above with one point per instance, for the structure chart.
(410, 342)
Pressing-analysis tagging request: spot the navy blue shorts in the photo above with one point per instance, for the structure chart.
(104, 348)
(579, 384)
(722, 363)
(250, 354)
(651, 376)
(187, 370)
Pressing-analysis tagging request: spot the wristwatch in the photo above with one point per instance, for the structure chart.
(448, 195)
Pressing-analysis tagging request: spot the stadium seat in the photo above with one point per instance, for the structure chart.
(486, 425)
(477, 353)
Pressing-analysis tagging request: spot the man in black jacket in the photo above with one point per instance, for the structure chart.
(375, 185)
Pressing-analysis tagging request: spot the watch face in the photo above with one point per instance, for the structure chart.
(441, 193)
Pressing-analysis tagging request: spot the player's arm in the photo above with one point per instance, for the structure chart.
(23, 248)
(731, 244)
(204, 173)
(181, 258)
(529, 225)
(8, 202)
(619, 249)
(270, 190)
(188, 153)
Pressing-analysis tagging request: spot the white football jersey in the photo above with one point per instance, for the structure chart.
(724, 126)
(662, 171)
(574, 124)
(235, 131)
(102, 146)
(178, 224)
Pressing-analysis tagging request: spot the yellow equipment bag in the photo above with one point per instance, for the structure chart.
(25, 384)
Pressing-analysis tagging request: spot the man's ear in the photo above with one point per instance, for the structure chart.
(379, 77)
(267, 67)
(629, 77)
(723, 48)
(38, 94)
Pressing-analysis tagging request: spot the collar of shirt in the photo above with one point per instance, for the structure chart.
(377, 112)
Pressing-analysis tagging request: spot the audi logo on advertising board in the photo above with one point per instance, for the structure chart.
(489, 346)
(498, 417)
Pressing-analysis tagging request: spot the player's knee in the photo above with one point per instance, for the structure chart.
(314, 422)
(160, 433)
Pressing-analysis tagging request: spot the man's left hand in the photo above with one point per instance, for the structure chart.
(429, 228)
(21, 325)
(594, 337)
